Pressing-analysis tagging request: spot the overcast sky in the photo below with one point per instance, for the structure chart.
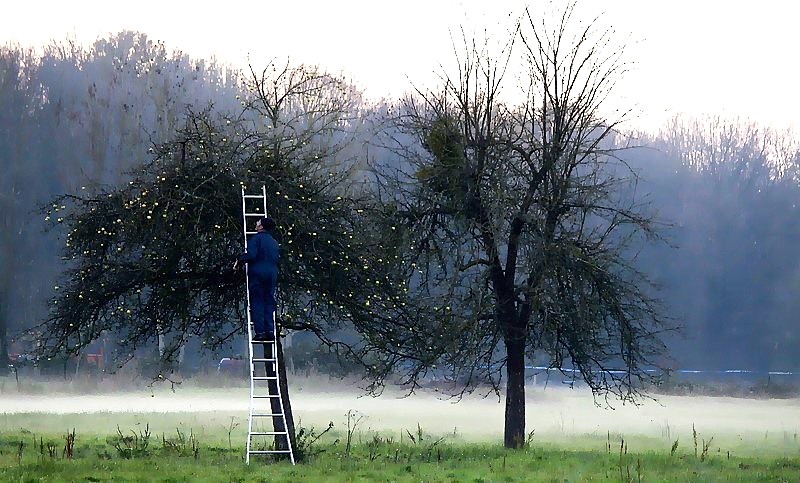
(735, 58)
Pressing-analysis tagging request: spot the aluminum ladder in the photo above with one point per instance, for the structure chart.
(270, 378)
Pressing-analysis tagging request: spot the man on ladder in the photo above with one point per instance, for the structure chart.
(262, 260)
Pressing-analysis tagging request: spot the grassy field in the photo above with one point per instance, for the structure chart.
(198, 435)
(198, 448)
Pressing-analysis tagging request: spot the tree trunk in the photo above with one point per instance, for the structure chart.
(4, 361)
(7, 267)
(277, 422)
(515, 392)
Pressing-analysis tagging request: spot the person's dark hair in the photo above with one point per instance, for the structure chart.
(267, 223)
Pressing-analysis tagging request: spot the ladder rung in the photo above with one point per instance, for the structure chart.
(255, 214)
(275, 451)
(267, 415)
(271, 396)
(267, 433)
(267, 378)
(263, 360)
(262, 341)
(250, 232)
(253, 196)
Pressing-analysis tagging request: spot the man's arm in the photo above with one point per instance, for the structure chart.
(252, 251)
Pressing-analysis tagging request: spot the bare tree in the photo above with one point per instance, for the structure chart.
(520, 221)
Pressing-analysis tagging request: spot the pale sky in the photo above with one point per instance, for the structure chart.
(734, 58)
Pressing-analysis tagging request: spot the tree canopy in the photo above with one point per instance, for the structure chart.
(521, 221)
(153, 255)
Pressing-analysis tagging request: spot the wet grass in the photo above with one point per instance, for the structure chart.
(198, 448)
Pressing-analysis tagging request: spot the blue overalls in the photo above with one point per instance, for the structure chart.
(262, 270)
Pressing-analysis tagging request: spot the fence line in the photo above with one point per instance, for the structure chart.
(676, 371)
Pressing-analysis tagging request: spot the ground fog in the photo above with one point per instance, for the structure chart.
(555, 413)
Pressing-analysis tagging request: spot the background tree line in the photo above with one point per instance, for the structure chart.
(74, 117)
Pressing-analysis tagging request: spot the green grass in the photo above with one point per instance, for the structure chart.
(195, 447)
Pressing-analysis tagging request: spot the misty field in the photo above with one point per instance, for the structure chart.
(199, 434)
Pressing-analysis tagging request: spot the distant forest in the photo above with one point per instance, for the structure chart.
(728, 191)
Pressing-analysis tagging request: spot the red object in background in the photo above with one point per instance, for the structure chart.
(96, 359)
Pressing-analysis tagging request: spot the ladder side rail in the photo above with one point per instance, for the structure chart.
(249, 332)
(275, 355)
